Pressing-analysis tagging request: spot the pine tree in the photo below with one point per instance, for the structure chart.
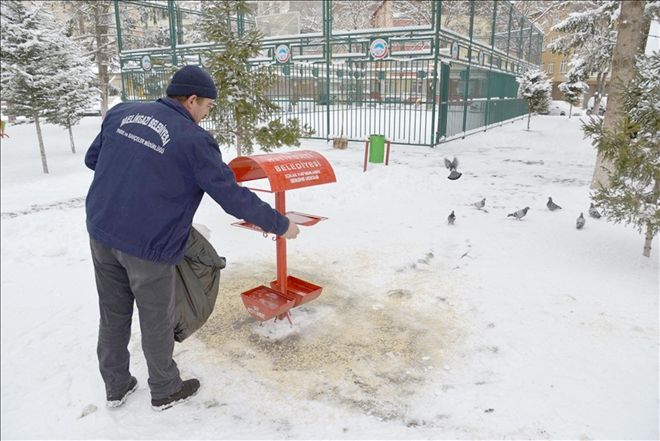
(535, 88)
(92, 23)
(632, 34)
(591, 36)
(77, 92)
(574, 86)
(30, 50)
(544, 12)
(243, 112)
(633, 149)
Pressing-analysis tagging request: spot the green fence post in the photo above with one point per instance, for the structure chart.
(444, 99)
(467, 73)
(327, 31)
(437, 4)
(120, 45)
(529, 51)
(172, 21)
(521, 23)
(508, 35)
(240, 23)
(490, 68)
(179, 24)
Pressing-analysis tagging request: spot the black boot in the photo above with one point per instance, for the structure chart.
(119, 399)
(189, 389)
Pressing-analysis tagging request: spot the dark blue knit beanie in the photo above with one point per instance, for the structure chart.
(192, 80)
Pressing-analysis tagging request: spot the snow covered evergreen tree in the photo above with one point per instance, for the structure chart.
(574, 86)
(77, 92)
(633, 149)
(632, 34)
(92, 22)
(244, 113)
(535, 88)
(31, 49)
(590, 35)
(544, 13)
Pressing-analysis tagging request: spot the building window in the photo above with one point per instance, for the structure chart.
(563, 67)
(551, 68)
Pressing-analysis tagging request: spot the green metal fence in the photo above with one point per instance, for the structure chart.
(438, 82)
(359, 98)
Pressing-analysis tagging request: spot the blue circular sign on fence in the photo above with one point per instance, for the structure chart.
(454, 50)
(379, 48)
(146, 63)
(282, 53)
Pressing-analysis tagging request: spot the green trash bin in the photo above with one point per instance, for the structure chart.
(377, 149)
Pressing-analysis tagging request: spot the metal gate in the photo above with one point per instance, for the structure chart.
(358, 99)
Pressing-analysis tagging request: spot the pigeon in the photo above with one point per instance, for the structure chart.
(519, 214)
(451, 218)
(452, 166)
(480, 204)
(579, 223)
(593, 212)
(552, 206)
(453, 175)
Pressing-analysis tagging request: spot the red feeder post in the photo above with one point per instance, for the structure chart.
(284, 171)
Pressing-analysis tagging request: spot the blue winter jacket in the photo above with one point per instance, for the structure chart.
(152, 165)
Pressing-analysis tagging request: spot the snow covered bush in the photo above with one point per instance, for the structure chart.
(633, 148)
(574, 86)
(535, 88)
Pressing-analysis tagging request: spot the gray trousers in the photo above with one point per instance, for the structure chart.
(122, 279)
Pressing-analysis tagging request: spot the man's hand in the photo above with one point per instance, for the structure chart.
(292, 231)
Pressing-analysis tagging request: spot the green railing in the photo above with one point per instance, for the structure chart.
(440, 81)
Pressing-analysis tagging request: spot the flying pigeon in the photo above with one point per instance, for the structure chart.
(480, 204)
(593, 212)
(579, 223)
(453, 175)
(451, 218)
(519, 214)
(552, 206)
(452, 166)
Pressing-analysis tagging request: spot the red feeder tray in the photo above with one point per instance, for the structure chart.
(305, 219)
(264, 303)
(299, 290)
(298, 218)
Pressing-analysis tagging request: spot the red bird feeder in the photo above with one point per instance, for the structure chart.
(284, 171)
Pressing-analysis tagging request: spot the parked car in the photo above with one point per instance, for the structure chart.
(92, 112)
(601, 110)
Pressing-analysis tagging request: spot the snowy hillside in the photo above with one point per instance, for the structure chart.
(490, 328)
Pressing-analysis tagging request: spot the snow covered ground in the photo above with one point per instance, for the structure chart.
(491, 328)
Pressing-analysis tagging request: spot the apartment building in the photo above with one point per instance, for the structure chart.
(557, 65)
